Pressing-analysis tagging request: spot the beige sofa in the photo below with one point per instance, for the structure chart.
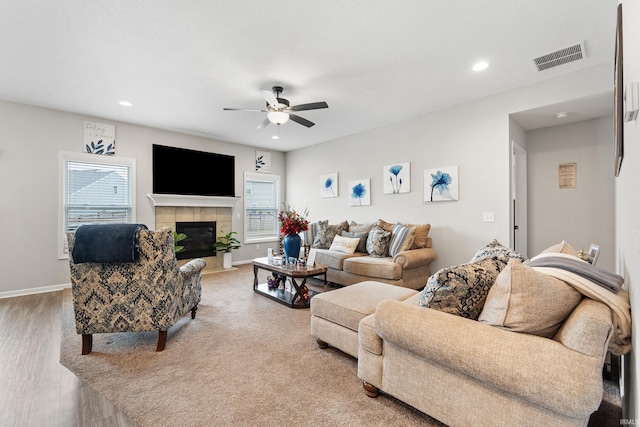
(463, 372)
(408, 268)
(493, 342)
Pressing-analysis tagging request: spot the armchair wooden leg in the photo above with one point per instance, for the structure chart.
(371, 390)
(193, 312)
(162, 340)
(87, 343)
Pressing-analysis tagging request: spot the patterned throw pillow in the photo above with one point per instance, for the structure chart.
(497, 251)
(461, 290)
(326, 233)
(347, 245)
(378, 242)
(402, 238)
(362, 246)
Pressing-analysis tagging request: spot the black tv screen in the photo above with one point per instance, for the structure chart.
(191, 172)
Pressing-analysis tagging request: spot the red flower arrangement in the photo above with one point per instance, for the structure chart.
(291, 222)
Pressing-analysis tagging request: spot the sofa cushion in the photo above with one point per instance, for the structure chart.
(354, 227)
(334, 259)
(386, 226)
(326, 233)
(402, 238)
(525, 300)
(461, 290)
(378, 242)
(347, 245)
(369, 266)
(496, 250)
(362, 237)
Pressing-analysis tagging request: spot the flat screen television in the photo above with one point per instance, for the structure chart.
(190, 172)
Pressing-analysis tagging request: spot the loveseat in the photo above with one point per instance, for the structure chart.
(397, 254)
(498, 341)
(528, 349)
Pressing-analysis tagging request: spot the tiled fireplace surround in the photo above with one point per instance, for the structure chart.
(167, 216)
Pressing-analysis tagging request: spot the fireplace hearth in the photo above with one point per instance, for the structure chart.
(200, 239)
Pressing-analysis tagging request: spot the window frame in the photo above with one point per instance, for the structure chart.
(63, 158)
(250, 176)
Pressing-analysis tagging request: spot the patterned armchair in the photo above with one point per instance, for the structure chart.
(148, 294)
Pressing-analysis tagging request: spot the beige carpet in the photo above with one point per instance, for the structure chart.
(245, 360)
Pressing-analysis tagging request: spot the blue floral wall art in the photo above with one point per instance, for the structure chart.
(441, 184)
(98, 138)
(396, 178)
(329, 185)
(359, 192)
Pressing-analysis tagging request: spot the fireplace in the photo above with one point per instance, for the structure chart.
(200, 239)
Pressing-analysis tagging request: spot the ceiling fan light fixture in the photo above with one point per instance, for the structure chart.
(278, 117)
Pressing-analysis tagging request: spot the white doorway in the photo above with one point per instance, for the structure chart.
(519, 198)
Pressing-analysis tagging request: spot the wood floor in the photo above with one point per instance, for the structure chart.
(35, 389)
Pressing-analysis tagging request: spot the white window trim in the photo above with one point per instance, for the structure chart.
(258, 177)
(64, 156)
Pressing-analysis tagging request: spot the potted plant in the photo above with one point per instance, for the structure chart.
(226, 243)
(178, 237)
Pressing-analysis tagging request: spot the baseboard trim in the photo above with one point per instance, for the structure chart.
(33, 291)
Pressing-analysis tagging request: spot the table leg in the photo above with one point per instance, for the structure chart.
(255, 277)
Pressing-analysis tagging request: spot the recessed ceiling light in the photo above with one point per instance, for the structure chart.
(275, 137)
(480, 65)
(125, 103)
(561, 115)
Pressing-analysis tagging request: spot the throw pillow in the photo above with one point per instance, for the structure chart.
(461, 290)
(402, 238)
(422, 234)
(378, 242)
(386, 226)
(325, 234)
(525, 300)
(362, 237)
(496, 250)
(347, 245)
(309, 235)
(354, 227)
(561, 248)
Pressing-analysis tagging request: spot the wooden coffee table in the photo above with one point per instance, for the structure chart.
(295, 298)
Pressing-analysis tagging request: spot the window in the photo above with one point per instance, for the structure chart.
(261, 201)
(94, 190)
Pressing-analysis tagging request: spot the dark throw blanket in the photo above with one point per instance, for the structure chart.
(106, 243)
(597, 275)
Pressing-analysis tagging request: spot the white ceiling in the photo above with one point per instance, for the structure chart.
(373, 61)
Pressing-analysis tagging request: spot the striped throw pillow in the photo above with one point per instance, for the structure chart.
(402, 238)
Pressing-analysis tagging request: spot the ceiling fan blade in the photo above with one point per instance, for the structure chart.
(270, 98)
(301, 121)
(263, 124)
(310, 106)
(244, 109)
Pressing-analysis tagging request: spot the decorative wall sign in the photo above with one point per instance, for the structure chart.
(441, 184)
(567, 175)
(98, 138)
(329, 185)
(359, 192)
(396, 178)
(263, 161)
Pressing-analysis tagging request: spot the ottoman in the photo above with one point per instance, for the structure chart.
(335, 315)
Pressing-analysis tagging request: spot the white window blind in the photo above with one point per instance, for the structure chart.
(261, 201)
(95, 190)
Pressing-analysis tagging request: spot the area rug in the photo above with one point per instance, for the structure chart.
(245, 360)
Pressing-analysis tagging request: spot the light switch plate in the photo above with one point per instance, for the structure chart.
(488, 217)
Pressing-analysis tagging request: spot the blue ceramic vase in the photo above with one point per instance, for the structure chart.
(291, 245)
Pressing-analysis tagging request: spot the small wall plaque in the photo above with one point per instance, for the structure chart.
(567, 175)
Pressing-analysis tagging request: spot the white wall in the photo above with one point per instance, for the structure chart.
(474, 136)
(581, 215)
(30, 139)
(628, 207)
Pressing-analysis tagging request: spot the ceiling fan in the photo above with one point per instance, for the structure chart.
(279, 111)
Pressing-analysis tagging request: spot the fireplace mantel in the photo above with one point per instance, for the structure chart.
(193, 201)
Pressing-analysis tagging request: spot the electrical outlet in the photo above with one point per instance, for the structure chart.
(488, 217)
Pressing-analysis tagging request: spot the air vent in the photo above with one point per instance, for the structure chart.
(568, 54)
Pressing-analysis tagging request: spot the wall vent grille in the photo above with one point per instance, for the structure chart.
(565, 55)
